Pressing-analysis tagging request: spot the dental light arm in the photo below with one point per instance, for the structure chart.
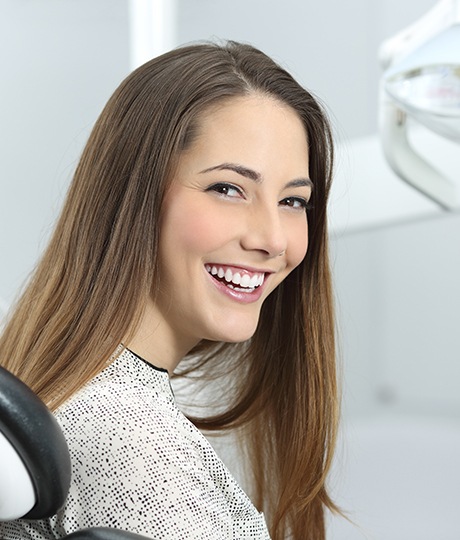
(406, 162)
(422, 81)
(440, 17)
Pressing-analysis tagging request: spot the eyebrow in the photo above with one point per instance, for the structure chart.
(254, 175)
(239, 169)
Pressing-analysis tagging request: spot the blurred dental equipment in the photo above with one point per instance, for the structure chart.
(421, 82)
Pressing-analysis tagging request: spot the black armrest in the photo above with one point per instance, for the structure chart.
(103, 533)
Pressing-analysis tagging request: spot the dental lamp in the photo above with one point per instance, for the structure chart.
(421, 81)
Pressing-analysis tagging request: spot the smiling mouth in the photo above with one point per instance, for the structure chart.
(237, 280)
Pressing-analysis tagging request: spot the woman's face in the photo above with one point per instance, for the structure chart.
(234, 221)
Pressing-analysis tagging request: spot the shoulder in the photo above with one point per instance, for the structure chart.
(123, 385)
(126, 413)
(125, 404)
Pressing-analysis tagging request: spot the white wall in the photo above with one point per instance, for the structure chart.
(398, 296)
(60, 61)
(396, 470)
(330, 46)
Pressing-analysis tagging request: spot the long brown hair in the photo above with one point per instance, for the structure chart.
(89, 289)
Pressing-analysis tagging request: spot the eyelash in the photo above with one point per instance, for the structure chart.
(304, 204)
(222, 188)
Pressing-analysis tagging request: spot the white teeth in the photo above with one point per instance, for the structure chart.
(245, 281)
(236, 279)
(239, 289)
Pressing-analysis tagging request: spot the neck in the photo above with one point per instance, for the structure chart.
(157, 343)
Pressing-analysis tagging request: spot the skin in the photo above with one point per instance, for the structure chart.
(236, 202)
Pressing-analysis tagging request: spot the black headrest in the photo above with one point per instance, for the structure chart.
(34, 432)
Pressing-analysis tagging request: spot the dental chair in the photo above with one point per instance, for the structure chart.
(34, 461)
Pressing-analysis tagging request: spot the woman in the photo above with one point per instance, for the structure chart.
(195, 227)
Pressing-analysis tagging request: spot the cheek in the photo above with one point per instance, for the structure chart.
(298, 244)
(192, 228)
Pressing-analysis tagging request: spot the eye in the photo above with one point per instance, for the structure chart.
(297, 203)
(226, 190)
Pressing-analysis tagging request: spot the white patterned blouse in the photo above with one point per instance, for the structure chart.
(139, 465)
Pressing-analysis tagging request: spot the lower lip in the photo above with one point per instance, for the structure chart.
(238, 296)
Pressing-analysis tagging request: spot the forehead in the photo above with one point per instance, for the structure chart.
(240, 110)
(256, 129)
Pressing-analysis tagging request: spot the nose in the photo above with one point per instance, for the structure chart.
(264, 232)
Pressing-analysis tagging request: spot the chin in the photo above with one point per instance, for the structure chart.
(237, 333)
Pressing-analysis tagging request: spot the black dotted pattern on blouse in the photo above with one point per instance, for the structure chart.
(139, 465)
